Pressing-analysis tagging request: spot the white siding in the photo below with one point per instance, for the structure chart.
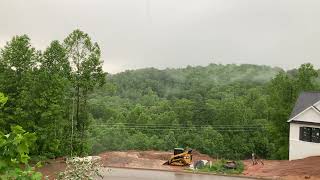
(310, 115)
(317, 105)
(301, 149)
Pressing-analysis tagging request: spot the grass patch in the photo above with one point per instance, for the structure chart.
(218, 167)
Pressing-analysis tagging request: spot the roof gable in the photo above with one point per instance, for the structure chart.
(304, 101)
(311, 115)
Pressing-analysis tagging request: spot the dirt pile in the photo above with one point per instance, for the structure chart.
(135, 159)
(52, 167)
(308, 168)
(143, 159)
(196, 155)
(155, 155)
(126, 159)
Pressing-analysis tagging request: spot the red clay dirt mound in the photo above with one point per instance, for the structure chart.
(155, 155)
(126, 159)
(196, 155)
(308, 168)
(53, 167)
(143, 159)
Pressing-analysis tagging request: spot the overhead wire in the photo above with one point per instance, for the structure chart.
(157, 124)
(179, 126)
(174, 128)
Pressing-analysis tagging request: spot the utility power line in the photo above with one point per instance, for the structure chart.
(177, 125)
(120, 123)
(203, 127)
(181, 128)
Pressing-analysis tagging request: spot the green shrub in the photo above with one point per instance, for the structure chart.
(218, 167)
(14, 148)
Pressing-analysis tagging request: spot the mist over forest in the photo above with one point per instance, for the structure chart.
(225, 111)
(59, 102)
(92, 88)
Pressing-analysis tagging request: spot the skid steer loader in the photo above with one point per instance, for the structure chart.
(180, 157)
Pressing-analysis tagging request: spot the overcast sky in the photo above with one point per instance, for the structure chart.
(175, 33)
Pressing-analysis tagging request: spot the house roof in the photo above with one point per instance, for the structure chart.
(305, 100)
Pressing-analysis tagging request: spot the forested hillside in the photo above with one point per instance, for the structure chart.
(71, 107)
(188, 81)
(227, 111)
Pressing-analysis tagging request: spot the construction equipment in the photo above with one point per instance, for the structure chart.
(180, 157)
(230, 165)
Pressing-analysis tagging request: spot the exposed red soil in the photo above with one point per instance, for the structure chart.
(52, 167)
(144, 159)
(308, 168)
(126, 159)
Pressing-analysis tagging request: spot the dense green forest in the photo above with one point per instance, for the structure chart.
(72, 107)
(47, 91)
(225, 111)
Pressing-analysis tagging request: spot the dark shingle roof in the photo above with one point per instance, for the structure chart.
(305, 100)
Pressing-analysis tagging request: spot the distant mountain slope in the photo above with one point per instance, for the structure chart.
(169, 81)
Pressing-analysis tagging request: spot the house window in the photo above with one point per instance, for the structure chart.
(315, 135)
(310, 134)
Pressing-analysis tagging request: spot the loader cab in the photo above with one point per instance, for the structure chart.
(180, 157)
(178, 151)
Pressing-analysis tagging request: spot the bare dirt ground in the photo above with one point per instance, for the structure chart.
(126, 159)
(308, 168)
(144, 159)
(53, 167)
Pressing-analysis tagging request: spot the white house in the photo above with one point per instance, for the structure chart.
(304, 138)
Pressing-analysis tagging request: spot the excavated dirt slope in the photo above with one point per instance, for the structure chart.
(308, 168)
(144, 159)
(126, 159)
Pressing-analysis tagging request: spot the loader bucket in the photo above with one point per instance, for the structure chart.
(166, 163)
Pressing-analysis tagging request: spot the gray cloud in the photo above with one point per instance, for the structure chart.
(175, 33)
